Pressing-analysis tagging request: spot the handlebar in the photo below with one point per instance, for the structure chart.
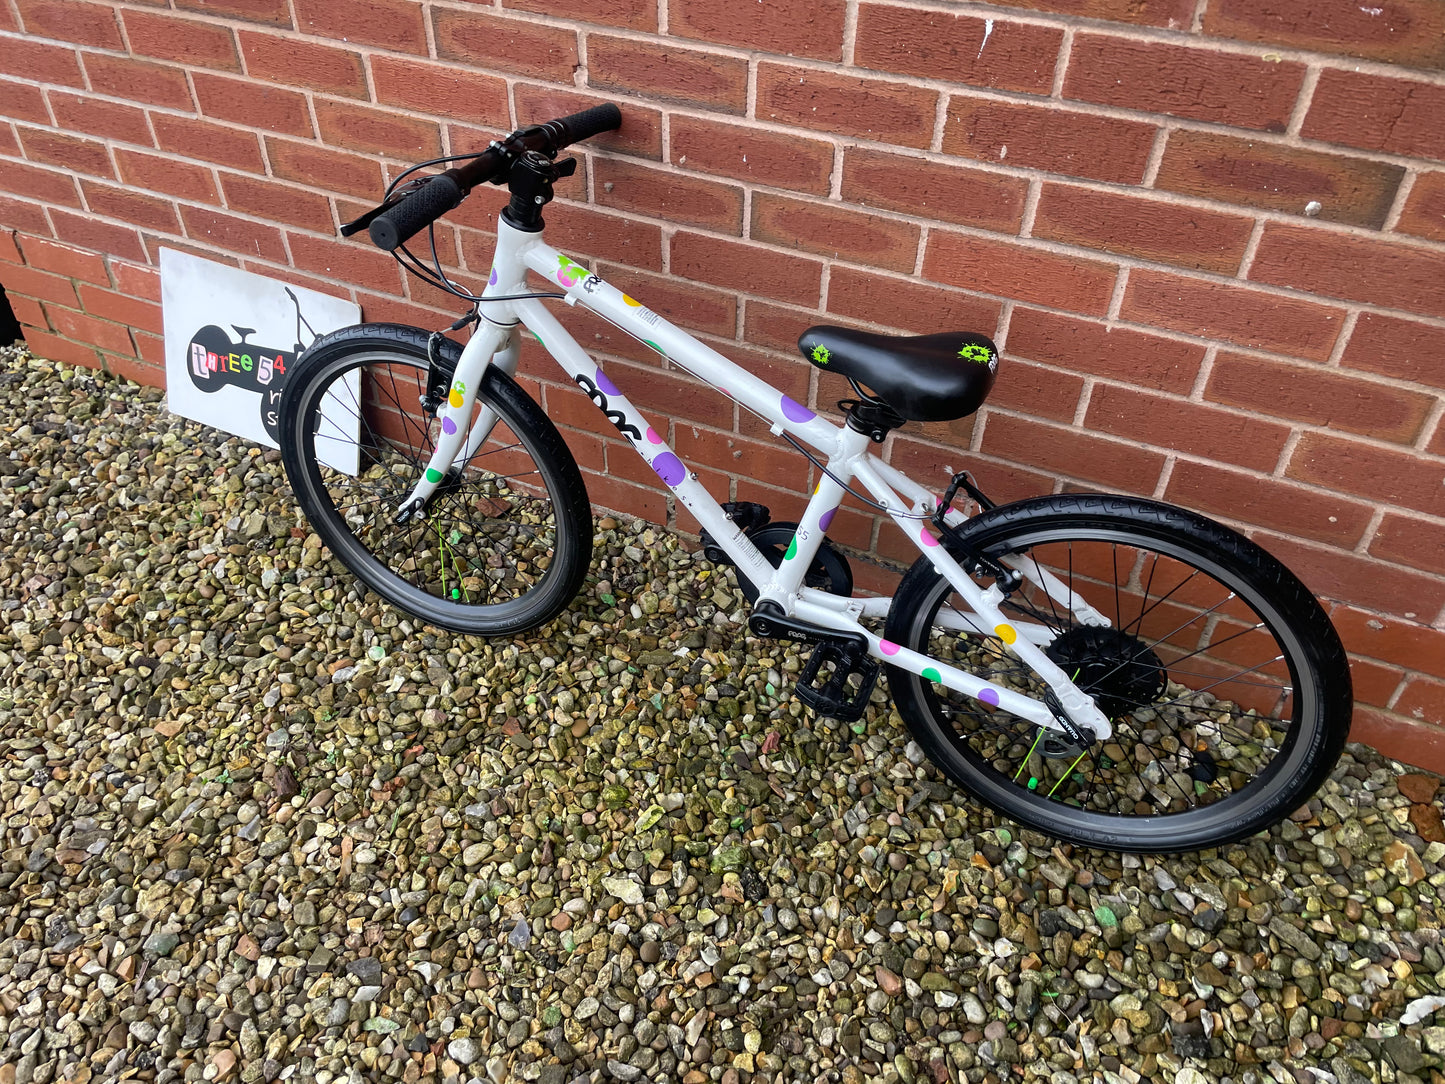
(392, 226)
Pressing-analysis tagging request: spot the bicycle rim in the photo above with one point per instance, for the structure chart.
(495, 549)
(1208, 674)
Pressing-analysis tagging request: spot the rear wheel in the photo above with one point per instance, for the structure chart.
(1225, 683)
(503, 544)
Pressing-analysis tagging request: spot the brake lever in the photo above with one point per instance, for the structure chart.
(365, 220)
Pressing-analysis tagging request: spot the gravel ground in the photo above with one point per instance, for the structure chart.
(259, 827)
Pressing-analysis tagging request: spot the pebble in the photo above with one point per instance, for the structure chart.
(464, 1051)
(625, 889)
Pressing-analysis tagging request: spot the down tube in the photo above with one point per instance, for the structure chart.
(633, 425)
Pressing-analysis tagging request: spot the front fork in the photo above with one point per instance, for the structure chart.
(456, 440)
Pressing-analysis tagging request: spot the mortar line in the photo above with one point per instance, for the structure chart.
(850, 32)
(1342, 340)
(1303, 102)
(1201, 378)
(1371, 530)
(1286, 453)
(1031, 206)
(1081, 408)
(1402, 196)
(1061, 64)
(1156, 157)
(1251, 247)
(1116, 299)
(940, 124)
(1165, 474)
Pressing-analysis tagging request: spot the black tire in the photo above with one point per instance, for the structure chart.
(1178, 673)
(501, 548)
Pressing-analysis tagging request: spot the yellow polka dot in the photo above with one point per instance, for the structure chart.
(1006, 633)
(628, 301)
(455, 399)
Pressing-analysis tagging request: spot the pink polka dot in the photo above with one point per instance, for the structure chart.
(652, 436)
(888, 647)
(926, 537)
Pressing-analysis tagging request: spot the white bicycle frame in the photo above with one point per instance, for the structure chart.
(845, 451)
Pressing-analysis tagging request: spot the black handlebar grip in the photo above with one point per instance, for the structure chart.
(396, 225)
(590, 122)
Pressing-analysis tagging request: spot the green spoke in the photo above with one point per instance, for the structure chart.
(1029, 755)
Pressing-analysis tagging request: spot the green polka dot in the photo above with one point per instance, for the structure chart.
(792, 549)
(932, 675)
(652, 344)
(537, 337)
(433, 475)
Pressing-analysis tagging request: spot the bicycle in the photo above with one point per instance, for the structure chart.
(1109, 670)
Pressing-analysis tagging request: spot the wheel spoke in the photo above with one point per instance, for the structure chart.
(1196, 665)
(489, 534)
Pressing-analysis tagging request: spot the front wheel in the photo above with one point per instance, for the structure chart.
(1226, 685)
(503, 544)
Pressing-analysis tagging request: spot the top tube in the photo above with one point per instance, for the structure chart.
(583, 287)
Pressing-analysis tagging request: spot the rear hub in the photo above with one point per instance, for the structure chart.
(1117, 669)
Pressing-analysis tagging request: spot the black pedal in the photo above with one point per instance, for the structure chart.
(834, 696)
(748, 515)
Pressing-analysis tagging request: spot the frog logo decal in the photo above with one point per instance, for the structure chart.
(977, 353)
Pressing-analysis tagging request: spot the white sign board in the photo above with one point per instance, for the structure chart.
(232, 338)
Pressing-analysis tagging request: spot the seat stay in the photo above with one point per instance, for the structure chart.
(986, 603)
(1030, 569)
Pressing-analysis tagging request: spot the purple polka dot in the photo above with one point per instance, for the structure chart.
(888, 647)
(493, 280)
(669, 468)
(989, 696)
(926, 537)
(652, 437)
(605, 385)
(448, 426)
(825, 519)
(795, 411)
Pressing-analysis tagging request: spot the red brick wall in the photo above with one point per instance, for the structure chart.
(1115, 189)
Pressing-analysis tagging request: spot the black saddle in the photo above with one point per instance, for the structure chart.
(243, 331)
(925, 378)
